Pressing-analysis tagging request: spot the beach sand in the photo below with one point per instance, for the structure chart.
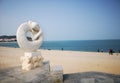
(71, 61)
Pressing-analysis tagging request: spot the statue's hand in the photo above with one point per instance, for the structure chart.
(37, 35)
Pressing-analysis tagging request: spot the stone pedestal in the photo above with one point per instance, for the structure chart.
(31, 60)
(37, 75)
(57, 74)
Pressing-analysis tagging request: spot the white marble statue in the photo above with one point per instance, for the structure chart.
(36, 35)
(32, 58)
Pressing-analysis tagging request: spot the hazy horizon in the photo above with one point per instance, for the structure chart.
(64, 19)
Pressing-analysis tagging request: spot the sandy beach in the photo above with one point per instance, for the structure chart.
(71, 61)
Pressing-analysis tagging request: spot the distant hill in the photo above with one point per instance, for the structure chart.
(6, 38)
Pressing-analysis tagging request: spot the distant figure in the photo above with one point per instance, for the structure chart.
(101, 50)
(98, 50)
(49, 49)
(61, 48)
(110, 52)
(118, 51)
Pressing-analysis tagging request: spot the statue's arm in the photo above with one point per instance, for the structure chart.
(37, 36)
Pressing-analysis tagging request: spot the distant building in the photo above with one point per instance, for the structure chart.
(7, 38)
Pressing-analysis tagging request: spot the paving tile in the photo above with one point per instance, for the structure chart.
(103, 79)
(88, 80)
(107, 80)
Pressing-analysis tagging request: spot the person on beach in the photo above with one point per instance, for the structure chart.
(98, 50)
(118, 51)
(110, 52)
(101, 50)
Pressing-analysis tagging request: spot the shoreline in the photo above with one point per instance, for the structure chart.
(9, 42)
(86, 46)
(61, 50)
(115, 53)
(71, 61)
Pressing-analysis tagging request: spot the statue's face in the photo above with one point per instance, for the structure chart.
(35, 27)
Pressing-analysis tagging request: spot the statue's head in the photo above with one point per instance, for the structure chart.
(34, 26)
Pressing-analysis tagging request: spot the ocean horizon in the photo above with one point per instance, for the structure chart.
(76, 45)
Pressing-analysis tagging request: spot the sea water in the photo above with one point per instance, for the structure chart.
(75, 45)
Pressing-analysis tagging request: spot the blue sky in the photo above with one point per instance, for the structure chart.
(63, 19)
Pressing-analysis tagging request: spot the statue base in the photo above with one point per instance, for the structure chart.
(31, 60)
(38, 75)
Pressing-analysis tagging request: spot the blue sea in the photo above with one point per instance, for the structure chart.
(76, 45)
